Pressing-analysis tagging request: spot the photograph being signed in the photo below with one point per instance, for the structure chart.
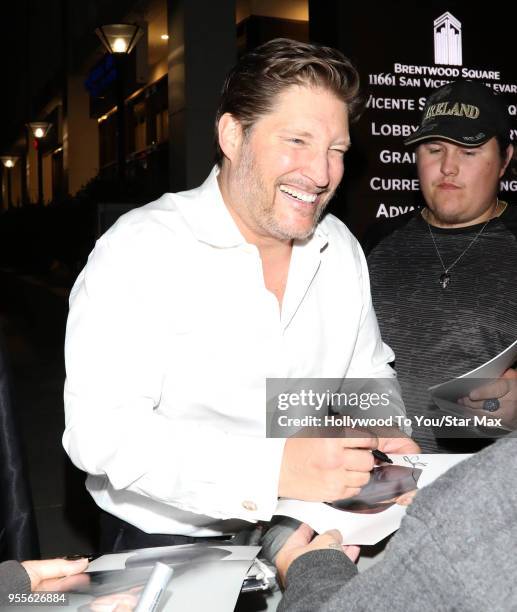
(388, 485)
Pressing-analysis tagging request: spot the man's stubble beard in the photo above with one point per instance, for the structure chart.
(450, 219)
(260, 209)
(445, 219)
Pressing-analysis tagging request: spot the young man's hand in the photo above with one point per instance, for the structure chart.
(300, 543)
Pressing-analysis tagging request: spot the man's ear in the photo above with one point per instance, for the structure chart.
(230, 135)
(509, 155)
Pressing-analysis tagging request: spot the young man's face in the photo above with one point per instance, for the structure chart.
(459, 184)
(289, 164)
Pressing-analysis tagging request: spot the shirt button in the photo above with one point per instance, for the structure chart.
(249, 505)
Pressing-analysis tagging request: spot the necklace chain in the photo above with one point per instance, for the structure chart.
(446, 277)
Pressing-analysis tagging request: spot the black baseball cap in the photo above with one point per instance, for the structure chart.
(465, 113)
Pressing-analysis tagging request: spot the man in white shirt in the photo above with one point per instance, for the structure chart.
(188, 304)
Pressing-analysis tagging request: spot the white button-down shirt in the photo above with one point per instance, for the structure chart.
(170, 338)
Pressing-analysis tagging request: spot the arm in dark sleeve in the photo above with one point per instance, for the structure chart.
(13, 579)
(330, 583)
(314, 578)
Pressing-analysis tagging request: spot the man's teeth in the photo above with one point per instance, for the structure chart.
(304, 197)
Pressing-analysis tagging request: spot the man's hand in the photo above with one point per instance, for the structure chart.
(399, 444)
(300, 543)
(325, 469)
(126, 601)
(504, 390)
(47, 575)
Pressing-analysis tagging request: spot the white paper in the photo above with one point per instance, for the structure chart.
(198, 585)
(117, 561)
(455, 388)
(363, 529)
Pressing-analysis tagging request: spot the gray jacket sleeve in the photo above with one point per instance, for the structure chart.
(455, 549)
(13, 579)
(314, 578)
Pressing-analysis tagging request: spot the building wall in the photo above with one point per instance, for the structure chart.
(16, 186)
(81, 140)
(64, 63)
(286, 9)
(47, 178)
(32, 172)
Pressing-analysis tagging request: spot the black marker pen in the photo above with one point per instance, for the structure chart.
(381, 456)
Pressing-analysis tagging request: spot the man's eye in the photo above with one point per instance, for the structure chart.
(298, 141)
(340, 152)
(469, 153)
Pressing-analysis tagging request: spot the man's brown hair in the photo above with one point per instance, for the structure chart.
(250, 88)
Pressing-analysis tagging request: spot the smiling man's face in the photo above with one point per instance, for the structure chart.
(288, 165)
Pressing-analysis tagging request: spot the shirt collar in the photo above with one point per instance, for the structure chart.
(207, 215)
(210, 220)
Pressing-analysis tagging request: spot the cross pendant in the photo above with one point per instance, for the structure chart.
(445, 279)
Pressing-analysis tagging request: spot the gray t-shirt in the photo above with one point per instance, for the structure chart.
(437, 333)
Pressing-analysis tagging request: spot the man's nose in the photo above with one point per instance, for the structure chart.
(449, 165)
(317, 169)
